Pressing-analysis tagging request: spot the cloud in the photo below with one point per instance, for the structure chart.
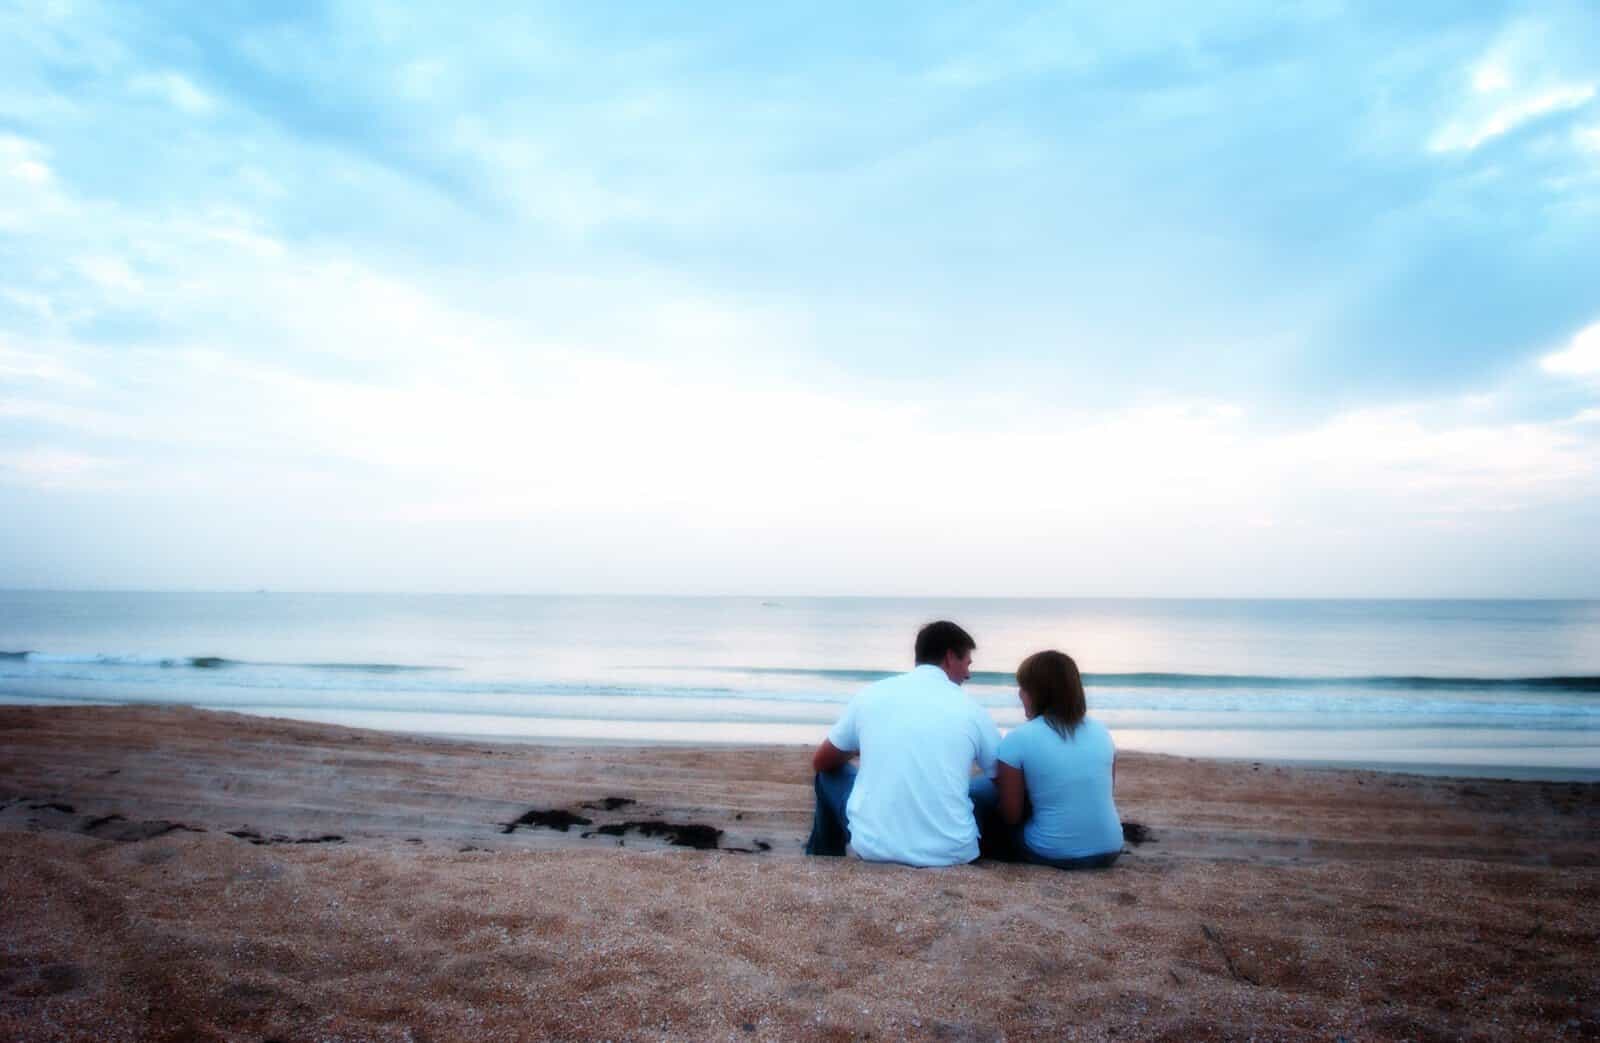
(1581, 358)
(31, 303)
(1394, 454)
(31, 195)
(74, 418)
(1534, 68)
(1130, 276)
(24, 164)
(1464, 135)
(175, 89)
(51, 468)
(1489, 77)
(491, 438)
(18, 364)
(112, 273)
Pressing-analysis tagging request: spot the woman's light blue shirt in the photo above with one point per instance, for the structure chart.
(1069, 785)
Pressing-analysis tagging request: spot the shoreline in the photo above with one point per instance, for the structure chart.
(173, 872)
(1550, 761)
(1459, 772)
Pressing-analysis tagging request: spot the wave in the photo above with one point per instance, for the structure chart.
(215, 674)
(1397, 682)
(204, 662)
(622, 711)
(1257, 711)
(217, 679)
(1580, 683)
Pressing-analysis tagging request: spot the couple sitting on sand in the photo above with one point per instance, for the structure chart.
(1042, 794)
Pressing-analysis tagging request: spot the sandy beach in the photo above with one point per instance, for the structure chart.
(177, 874)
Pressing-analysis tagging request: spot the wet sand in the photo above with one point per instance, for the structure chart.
(169, 873)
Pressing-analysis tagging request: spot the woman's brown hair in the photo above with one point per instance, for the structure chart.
(1055, 689)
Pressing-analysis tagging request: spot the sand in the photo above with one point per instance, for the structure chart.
(169, 873)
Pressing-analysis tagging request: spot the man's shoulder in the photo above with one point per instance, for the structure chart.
(917, 678)
(929, 678)
(912, 691)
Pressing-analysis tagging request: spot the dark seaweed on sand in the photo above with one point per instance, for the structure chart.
(554, 818)
(697, 835)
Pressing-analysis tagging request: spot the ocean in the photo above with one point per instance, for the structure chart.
(1488, 688)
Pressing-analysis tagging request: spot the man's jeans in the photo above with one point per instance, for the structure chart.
(830, 826)
(830, 831)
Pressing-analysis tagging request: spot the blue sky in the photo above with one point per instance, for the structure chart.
(1003, 300)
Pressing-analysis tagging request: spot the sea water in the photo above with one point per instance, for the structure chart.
(1471, 687)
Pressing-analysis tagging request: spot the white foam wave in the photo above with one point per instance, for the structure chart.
(103, 659)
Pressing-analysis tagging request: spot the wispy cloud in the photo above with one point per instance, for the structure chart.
(1472, 132)
(28, 186)
(19, 365)
(175, 89)
(1535, 68)
(49, 468)
(23, 161)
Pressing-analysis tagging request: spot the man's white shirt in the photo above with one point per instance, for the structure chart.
(918, 735)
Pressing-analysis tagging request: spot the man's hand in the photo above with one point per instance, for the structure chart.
(829, 758)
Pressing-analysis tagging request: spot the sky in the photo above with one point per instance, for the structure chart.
(1101, 300)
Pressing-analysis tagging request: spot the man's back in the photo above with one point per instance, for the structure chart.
(918, 735)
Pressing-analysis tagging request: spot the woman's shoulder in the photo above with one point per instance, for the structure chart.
(1021, 732)
(1099, 732)
(1027, 734)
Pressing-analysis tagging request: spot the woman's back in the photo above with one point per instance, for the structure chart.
(1068, 780)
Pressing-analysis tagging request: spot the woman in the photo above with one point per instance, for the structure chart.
(1062, 764)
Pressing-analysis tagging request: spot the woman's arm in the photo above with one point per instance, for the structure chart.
(1013, 793)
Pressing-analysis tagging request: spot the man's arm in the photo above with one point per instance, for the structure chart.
(988, 740)
(829, 758)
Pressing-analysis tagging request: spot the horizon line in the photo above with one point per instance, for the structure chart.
(266, 591)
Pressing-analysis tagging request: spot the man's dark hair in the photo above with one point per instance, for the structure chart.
(935, 639)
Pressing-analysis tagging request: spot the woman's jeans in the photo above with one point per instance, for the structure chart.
(1002, 842)
(830, 827)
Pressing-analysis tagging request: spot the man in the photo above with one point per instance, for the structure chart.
(918, 735)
